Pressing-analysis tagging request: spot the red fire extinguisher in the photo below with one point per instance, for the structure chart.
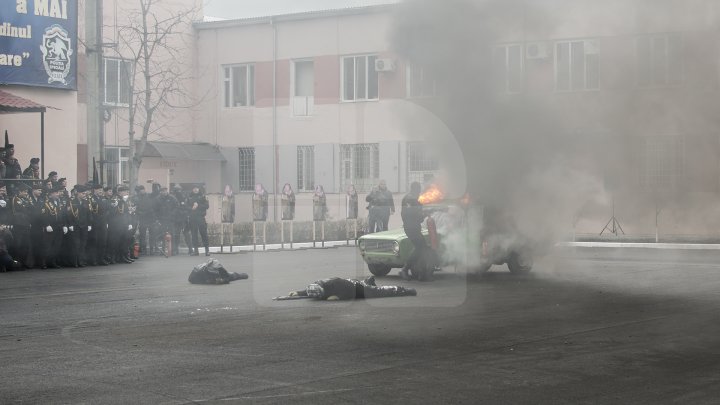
(136, 250)
(168, 244)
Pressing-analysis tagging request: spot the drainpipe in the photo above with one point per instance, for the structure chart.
(274, 122)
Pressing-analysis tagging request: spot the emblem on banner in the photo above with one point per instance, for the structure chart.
(57, 49)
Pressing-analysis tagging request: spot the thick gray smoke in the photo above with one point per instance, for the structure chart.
(545, 159)
(518, 156)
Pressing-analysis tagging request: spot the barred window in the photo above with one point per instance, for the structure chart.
(422, 164)
(662, 161)
(360, 166)
(247, 169)
(306, 168)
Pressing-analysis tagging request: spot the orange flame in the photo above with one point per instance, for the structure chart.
(431, 196)
(465, 200)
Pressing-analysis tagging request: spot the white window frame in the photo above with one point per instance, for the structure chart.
(228, 84)
(587, 41)
(667, 82)
(119, 62)
(301, 106)
(369, 67)
(410, 79)
(506, 68)
(117, 166)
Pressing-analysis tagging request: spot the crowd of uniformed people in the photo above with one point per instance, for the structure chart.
(43, 224)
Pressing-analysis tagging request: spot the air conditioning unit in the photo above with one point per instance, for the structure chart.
(592, 47)
(384, 65)
(537, 50)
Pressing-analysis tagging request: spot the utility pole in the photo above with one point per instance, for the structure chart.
(95, 114)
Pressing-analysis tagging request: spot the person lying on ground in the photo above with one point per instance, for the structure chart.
(212, 272)
(335, 288)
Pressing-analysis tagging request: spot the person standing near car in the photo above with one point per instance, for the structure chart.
(380, 205)
(412, 216)
(198, 209)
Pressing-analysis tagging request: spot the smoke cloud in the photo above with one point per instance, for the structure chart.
(543, 157)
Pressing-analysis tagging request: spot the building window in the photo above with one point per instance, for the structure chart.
(577, 65)
(239, 85)
(508, 63)
(420, 83)
(247, 169)
(116, 165)
(306, 168)
(360, 166)
(662, 161)
(659, 60)
(359, 78)
(422, 165)
(303, 88)
(117, 82)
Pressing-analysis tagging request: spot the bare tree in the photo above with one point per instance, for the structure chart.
(157, 40)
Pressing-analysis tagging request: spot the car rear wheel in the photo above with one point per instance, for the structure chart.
(520, 262)
(379, 270)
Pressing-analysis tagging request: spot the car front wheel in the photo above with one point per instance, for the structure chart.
(520, 262)
(379, 270)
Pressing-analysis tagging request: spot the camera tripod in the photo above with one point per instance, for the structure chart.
(613, 224)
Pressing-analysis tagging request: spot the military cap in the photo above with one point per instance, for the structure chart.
(52, 174)
(34, 161)
(61, 179)
(81, 188)
(97, 186)
(37, 185)
(22, 187)
(122, 188)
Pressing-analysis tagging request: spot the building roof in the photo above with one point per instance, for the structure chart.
(305, 15)
(10, 103)
(184, 151)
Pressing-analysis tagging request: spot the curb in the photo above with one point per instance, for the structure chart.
(278, 247)
(675, 246)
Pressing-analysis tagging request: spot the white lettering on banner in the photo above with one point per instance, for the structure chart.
(8, 30)
(51, 8)
(21, 6)
(13, 60)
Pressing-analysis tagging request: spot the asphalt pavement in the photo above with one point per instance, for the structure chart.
(587, 326)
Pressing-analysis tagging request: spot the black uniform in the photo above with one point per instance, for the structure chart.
(348, 289)
(412, 216)
(167, 209)
(22, 215)
(37, 248)
(145, 213)
(52, 222)
(118, 229)
(197, 220)
(98, 236)
(182, 223)
(79, 219)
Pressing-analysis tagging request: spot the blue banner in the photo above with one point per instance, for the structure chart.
(38, 43)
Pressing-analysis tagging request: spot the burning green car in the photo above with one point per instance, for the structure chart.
(384, 251)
